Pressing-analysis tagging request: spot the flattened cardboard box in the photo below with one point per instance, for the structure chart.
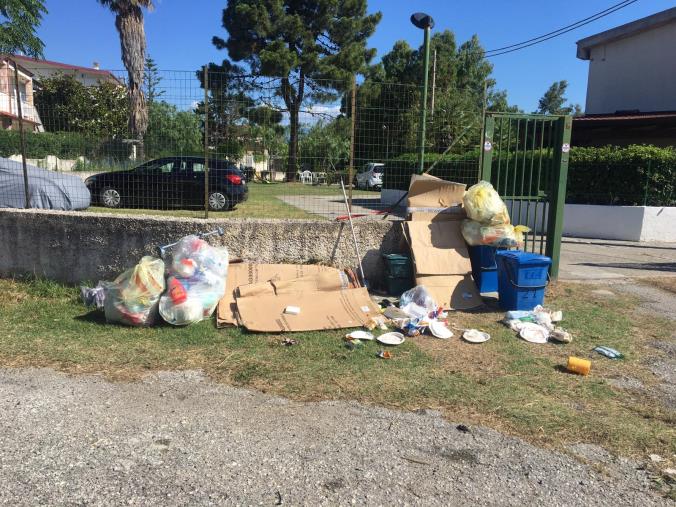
(434, 199)
(438, 248)
(248, 273)
(452, 292)
(318, 311)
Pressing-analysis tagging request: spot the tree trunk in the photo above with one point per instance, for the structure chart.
(292, 163)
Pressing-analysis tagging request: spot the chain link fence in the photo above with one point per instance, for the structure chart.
(223, 145)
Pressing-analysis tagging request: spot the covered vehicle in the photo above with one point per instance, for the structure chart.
(46, 189)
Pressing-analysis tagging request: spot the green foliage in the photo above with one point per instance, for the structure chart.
(172, 132)
(68, 145)
(554, 99)
(18, 22)
(326, 146)
(304, 42)
(151, 81)
(632, 175)
(66, 105)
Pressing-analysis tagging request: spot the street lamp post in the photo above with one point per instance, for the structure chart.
(426, 23)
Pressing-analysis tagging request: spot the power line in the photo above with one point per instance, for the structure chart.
(563, 30)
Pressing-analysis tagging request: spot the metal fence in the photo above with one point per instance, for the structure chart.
(217, 144)
(226, 145)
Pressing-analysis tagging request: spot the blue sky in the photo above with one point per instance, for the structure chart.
(179, 35)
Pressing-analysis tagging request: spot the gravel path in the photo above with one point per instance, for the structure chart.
(178, 438)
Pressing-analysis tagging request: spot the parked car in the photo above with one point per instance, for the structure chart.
(370, 177)
(176, 182)
(46, 189)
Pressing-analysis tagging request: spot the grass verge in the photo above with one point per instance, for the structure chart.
(506, 383)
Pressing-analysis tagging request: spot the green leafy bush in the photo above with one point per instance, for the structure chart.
(67, 145)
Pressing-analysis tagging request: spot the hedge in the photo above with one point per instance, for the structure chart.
(67, 145)
(632, 175)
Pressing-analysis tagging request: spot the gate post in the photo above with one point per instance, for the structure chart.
(486, 154)
(564, 126)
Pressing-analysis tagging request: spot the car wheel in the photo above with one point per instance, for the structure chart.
(110, 197)
(218, 201)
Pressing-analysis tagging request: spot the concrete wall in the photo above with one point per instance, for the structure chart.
(51, 162)
(637, 72)
(78, 246)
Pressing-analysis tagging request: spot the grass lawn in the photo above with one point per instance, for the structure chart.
(263, 202)
(506, 383)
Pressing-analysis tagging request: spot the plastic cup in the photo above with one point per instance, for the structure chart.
(578, 365)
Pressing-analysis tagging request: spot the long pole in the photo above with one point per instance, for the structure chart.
(206, 141)
(353, 114)
(423, 103)
(434, 81)
(354, 236)
(22, 134)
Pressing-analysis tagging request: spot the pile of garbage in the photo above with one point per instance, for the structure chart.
(183, 289)
(537, 325)
(488, 221)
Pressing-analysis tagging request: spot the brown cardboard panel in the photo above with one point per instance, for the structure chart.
(248, 273)
(438, 248)
(428, 191)
(452, 292)
(318, 310)
(436, 214)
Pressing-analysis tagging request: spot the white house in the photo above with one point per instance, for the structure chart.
(632, 68)
(88, 76)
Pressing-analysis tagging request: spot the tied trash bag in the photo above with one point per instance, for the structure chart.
(483, 204)
(196, 281)
(417, 302)
(133, 297)
(500, 236)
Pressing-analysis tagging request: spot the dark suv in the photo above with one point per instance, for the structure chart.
(170, 182)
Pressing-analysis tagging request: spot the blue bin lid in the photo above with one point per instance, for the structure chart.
(524, 258)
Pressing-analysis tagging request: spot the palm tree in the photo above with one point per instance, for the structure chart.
(129, 24)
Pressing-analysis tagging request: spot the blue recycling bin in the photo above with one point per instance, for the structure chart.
(522, 279)
(484, 268)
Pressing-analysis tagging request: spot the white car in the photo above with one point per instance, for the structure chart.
(370, 176)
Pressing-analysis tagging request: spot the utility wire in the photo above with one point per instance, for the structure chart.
(563, 30)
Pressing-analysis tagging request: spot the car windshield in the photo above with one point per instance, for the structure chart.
(378, 169)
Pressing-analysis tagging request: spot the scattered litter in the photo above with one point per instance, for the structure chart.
(292, 310)
(132, 299)
(384, 354)
(376, 322)
(392, 312)
(655, 458)
(463, 428)
(359, 335)
(560, 335)
(475, 336)
(578, 365)
(671, 472)
(608, 352)
(533, 333)
(391, 339)
(439, 330)
(353, 344)
(288, 342)
(93, 296)
(417, 297)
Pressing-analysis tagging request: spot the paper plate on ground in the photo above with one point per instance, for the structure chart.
(359, 335)
(475, 336)
(533, 333)
(439, 330)
(391, 339)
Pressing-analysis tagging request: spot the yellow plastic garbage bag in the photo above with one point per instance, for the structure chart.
(134, 296)
(483, 204)
(500, 235)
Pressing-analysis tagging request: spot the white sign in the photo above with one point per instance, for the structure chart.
(565, 148)
(488, 146)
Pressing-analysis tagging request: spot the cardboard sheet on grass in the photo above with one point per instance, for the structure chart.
(246, 274)
(334, 309)
(439, 251)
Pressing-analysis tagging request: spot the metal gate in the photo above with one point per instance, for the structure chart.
(525, 157)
